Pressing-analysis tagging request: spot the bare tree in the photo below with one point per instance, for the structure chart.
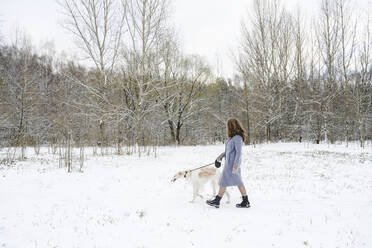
(97, 26)
(254, 61)
(265, 61)
(361, 95)
(348, 26)
(329, 43)
(165, 90)
(299, 82)
(21, 75)
(190, 78)
(146, 23)
(313, 102)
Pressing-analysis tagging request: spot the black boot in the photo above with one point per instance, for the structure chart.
(244, 204)
(215, 202)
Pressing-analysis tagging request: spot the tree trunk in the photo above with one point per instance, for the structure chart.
(325, 131)
(172, 133)
(361, 134)
(248, 141)
(268, 132)
(119, 139)
(178, 131)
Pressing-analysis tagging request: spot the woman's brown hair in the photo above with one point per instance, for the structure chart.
(234, 127)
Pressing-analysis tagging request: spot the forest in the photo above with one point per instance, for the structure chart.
(296, 79)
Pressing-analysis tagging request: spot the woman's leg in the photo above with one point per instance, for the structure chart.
(216, 201)
(242, 190)
(245, 203)
(221, 191)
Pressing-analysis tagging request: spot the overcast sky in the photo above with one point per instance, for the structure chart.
(206, 27)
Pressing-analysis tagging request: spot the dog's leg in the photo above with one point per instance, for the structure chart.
(197, 186)
(214, 185)
(228, 196)
(194, 193)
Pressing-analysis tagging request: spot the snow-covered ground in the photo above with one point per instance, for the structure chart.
(302, 195)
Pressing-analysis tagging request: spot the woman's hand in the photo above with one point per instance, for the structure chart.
(235, 169)
(219, 158)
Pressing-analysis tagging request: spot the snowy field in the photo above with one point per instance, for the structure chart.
(302, 195)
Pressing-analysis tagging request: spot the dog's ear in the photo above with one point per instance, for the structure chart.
(186, 173)
(178, 175)
(174, 178)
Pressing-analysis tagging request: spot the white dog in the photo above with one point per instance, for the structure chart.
(199, 178)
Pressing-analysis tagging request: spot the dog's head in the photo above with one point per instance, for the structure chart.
(181, 174)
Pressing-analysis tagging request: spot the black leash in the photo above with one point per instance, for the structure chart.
(197, 168)
(201, 167)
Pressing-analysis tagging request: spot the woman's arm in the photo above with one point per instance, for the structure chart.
(238, 151)
(222, 155)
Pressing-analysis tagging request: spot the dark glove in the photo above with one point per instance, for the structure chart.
(217, 164)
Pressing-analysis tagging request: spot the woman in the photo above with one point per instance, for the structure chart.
(233, 156)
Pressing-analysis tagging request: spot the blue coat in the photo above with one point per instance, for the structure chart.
(233, 155)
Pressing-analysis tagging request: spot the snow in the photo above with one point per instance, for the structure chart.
(302, 195)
